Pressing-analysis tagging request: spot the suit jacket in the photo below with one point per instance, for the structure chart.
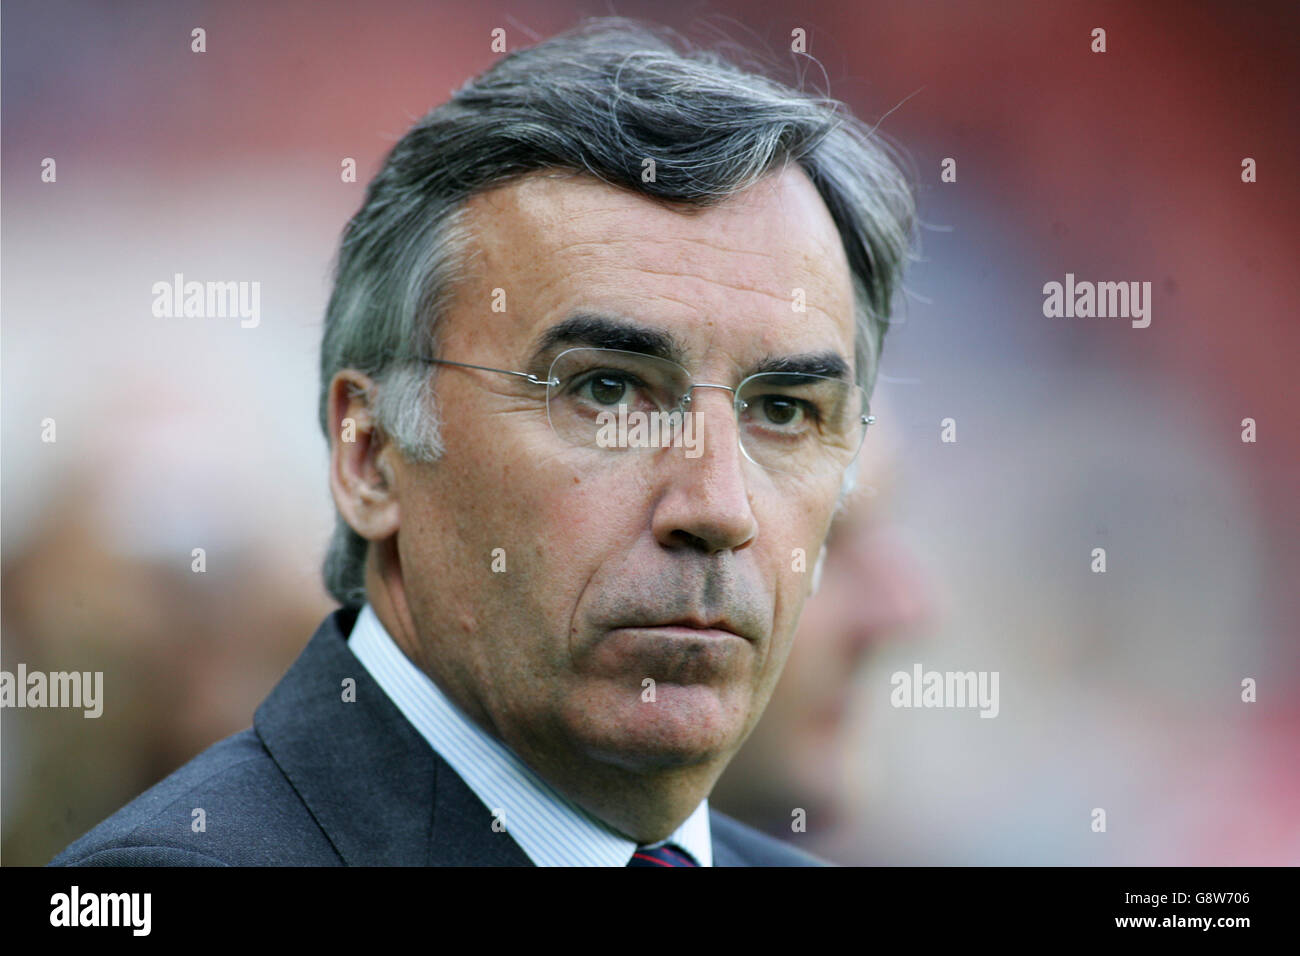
(317, 781)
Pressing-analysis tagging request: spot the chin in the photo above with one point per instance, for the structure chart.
(684, 726)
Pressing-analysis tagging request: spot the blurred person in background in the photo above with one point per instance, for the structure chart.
(103, 577)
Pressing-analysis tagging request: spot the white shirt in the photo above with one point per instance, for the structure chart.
(549, 827)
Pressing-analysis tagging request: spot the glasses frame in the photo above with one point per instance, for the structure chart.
(549, 382)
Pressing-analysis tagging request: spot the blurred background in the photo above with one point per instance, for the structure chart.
(1119, 691)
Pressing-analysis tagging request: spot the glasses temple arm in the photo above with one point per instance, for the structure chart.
(483, 368)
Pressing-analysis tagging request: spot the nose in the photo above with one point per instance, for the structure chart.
(704, 502)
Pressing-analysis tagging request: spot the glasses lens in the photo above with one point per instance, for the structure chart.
(801, 424)
(607, 398)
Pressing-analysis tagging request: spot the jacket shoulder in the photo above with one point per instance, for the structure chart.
(737, 844)
(250, 816)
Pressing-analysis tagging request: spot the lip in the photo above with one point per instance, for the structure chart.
(680, 629)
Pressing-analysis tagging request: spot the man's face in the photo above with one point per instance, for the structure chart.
(551, 653)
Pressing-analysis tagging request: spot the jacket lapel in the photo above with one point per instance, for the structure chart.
(724, 854)
(377, 789)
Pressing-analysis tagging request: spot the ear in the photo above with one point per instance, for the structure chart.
(361, 467)
(817, 571)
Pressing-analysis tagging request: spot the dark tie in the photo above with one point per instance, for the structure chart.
(670, 854)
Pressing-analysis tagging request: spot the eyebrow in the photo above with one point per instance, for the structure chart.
(602, 331)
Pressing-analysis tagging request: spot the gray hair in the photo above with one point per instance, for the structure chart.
(598, 99)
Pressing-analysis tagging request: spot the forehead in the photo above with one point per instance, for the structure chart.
(722, 276)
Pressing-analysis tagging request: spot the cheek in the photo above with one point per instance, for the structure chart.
(778, 659)
(560, 528)
(802, 528)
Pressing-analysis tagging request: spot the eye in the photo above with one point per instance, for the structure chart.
(786, 412)
(606, 387)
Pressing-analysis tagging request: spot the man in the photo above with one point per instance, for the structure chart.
(557, 627)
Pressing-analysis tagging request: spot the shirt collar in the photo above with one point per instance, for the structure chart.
(549, 827)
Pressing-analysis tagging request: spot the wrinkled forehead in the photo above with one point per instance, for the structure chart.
(763, 272)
